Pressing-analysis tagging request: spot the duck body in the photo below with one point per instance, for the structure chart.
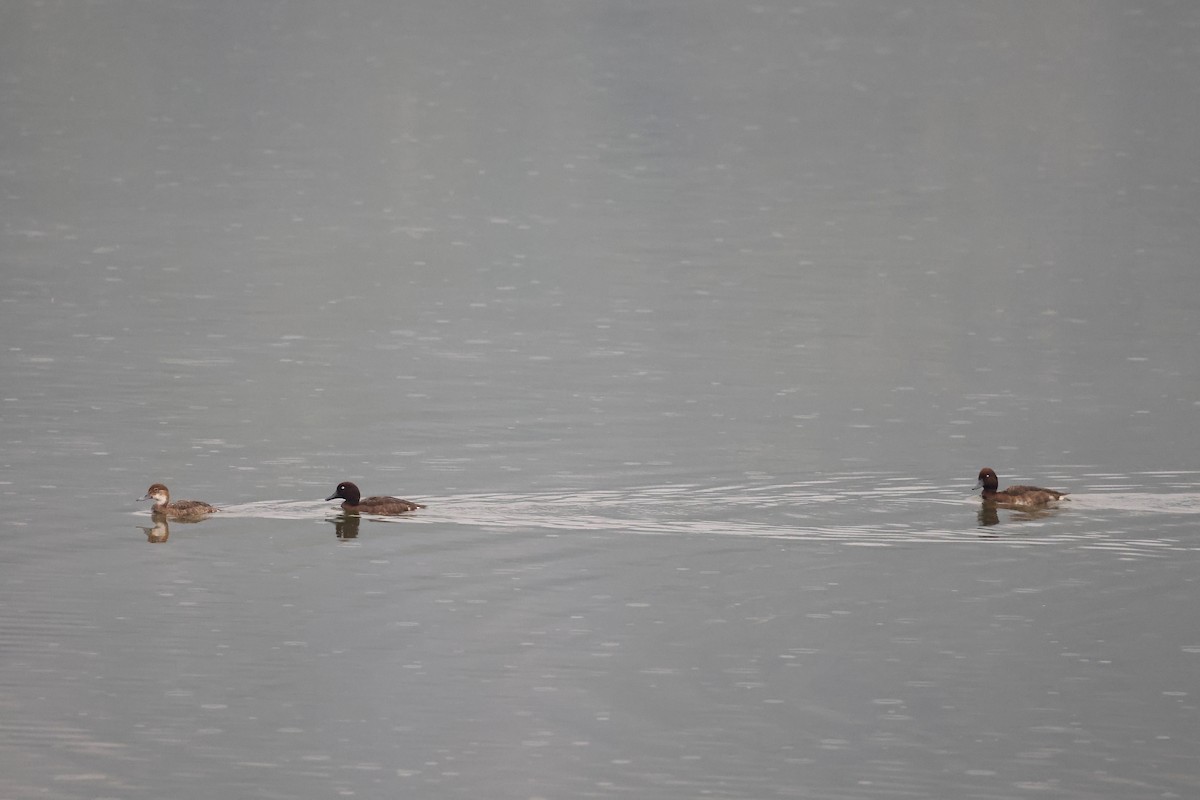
(180, 509)
(355, 502)
(1014, 496)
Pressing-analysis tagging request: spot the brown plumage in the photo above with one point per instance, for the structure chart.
(180, 509)
(1014, 496)
(370, 505)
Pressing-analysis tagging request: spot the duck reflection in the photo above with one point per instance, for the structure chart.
(162, 526)
(159, 533)
(989, 514)
(346, 525)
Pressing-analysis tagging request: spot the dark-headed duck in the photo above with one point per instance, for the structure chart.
(370, 505)
(180, 509)
(1014, 496)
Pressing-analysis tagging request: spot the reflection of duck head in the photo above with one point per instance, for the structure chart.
(180, 509)
(159, 533)
(346, 525)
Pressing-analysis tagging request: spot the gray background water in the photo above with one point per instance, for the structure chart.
(692, 323)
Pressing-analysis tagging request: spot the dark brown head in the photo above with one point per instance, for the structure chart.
(987, 480)
(346, 491)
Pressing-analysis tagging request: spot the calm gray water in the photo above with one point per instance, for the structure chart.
(691, 322)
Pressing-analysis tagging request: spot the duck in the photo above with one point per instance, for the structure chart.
(1014, 496)
(370, 505)
(180, 509)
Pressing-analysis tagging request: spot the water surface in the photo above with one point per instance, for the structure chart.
(691, 323)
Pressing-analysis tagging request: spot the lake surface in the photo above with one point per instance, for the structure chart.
(692, 324)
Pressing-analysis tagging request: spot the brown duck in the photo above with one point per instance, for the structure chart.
(370, 505)
(180, 509)
(1014, 496)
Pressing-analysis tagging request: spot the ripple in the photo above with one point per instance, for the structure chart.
(277, 509)
(1140, 502)
(864, 509)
